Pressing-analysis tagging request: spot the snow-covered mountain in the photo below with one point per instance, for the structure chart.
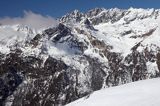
(85, 52)
(140, 93)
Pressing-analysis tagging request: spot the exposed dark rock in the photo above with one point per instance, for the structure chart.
(158, 60)
(100, 15)
(127, 32)
(9, 82)
(97, 74)
(35, 40)
(74, 16)
(150, 32)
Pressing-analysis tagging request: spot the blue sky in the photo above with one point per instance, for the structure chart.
(57, 8)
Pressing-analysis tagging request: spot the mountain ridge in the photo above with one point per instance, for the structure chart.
(80, 55)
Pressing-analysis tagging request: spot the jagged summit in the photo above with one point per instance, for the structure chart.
(75, 16)
(102, 15)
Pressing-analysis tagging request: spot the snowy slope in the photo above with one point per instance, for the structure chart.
(141, 93)
(123, 35)
(11, 35)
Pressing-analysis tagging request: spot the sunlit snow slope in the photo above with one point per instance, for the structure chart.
(141, 93)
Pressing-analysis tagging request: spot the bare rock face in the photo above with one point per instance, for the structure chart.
(46, 85)
(101, 15)
(84, 53)
(158, 60)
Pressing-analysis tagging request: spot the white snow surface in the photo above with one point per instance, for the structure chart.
(112, 34)
(140, 93)
(10, 35)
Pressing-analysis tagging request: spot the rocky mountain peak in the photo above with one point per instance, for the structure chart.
(83, 53)
(75, 16)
